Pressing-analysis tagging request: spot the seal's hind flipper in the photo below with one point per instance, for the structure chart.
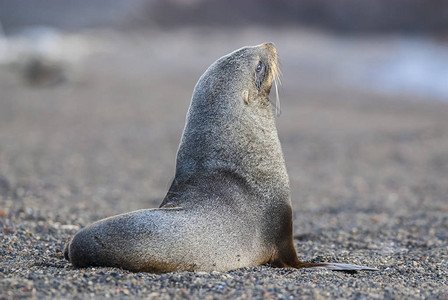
(343, 267)
(333, 266)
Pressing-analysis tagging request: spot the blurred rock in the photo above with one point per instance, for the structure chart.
(43, 72)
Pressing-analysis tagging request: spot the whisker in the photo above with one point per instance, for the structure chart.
(277, 73)
(277, 100)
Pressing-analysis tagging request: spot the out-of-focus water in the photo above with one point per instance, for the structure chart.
(412, 66)
(393, 65)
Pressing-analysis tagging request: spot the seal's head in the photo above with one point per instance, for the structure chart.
(244, 75)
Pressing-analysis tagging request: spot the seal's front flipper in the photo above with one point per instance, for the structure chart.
(341, 267)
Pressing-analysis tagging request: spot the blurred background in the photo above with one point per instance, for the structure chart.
(93, 96)
(389, 47)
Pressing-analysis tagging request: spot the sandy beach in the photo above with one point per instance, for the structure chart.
(96, 133)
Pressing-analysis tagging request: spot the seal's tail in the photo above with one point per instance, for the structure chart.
(335, 266)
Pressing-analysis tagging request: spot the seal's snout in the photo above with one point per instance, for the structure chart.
(270, 46)
(269, 49)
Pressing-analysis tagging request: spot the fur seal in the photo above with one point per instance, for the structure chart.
(229, 204)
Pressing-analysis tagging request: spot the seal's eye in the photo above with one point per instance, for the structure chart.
(259, 75)
(259, 67)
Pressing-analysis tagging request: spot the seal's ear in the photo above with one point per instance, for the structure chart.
(246, 97)
(259, 74)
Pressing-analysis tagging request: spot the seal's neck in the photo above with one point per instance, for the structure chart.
(234, 140)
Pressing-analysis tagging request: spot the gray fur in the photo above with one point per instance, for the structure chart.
(230, 177)
(229, 204)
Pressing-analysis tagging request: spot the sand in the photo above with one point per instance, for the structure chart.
(98, 136)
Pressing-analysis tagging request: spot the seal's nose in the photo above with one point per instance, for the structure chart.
(270, 47)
